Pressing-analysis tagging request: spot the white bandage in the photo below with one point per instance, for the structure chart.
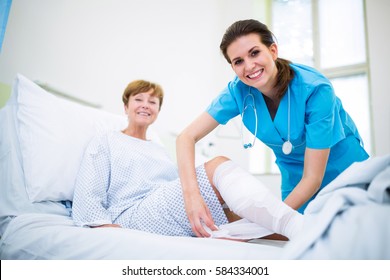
(249, 198)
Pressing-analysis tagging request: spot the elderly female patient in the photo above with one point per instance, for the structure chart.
(127, 181)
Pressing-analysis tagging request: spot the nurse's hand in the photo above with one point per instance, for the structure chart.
(198, 214)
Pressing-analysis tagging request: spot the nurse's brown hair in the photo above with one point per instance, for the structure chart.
(245, 27)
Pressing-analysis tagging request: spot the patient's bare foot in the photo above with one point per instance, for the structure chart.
(275, 236)
(231, 216)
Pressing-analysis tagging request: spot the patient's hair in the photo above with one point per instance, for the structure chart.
(245, 27)
(139, 86)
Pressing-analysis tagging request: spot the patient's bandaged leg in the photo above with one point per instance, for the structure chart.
(249, 198)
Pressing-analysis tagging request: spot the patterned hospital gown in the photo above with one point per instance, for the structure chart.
(134, 183)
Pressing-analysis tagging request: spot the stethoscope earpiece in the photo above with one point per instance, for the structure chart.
(246, 146)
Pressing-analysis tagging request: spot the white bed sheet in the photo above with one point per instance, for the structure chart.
(31, 229)
(47, 236)
(349, 219)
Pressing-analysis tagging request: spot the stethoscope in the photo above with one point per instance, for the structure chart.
(287, 146)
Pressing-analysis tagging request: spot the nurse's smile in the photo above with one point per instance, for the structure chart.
(256, 74)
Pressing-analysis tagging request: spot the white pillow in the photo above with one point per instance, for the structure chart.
(53, 134)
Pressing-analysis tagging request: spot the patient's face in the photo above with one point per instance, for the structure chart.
(143, 108)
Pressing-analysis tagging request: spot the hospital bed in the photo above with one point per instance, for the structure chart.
(41, 144)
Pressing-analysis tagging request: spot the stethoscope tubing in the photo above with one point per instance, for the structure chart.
(287, 146)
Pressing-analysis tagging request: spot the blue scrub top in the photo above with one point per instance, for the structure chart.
(317, 121)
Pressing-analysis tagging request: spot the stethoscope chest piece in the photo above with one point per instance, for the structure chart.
(287, 147)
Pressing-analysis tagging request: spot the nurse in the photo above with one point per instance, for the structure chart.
(292, 108)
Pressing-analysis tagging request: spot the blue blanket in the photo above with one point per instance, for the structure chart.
(350, 218)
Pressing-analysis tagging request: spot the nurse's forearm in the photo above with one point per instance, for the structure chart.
(302, 193)
(195, 207)
(185, 152)
(185, 149)
(313, 174)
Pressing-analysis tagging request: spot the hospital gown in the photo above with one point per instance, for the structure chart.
(134, 183)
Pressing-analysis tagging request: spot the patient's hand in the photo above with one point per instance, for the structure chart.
(107, 225)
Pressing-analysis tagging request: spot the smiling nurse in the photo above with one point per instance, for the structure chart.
(290, 107)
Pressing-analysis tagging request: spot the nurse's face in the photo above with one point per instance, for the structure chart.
(143, 108)
(253, 62)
